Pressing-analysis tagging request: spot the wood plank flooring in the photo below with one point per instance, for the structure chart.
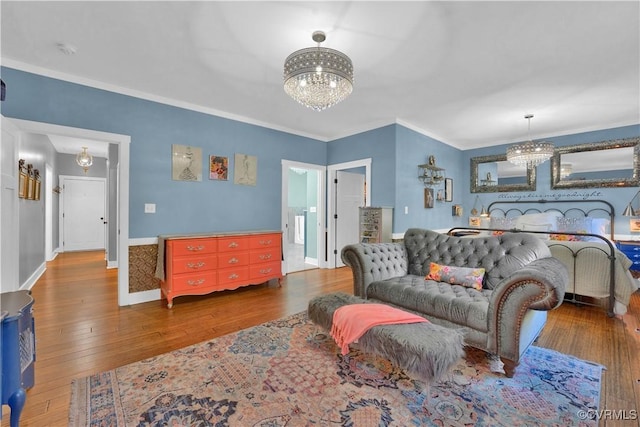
(80, 330)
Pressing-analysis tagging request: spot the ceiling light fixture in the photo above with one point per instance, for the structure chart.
(530, 154)
(84, 159)
(318, 77)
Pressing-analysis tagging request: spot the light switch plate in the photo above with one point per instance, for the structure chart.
(149, 208)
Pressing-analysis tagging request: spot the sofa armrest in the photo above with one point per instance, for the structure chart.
(371, 262)
(540, 285)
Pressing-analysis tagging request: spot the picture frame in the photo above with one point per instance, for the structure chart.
(22, 185)
(186, 163)
(219, 168)
(448, 190)
(634, 225)
(428, 198)
(246, 169)
(31, 187)
(36, 195)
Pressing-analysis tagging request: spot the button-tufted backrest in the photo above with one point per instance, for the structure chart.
(500, 256)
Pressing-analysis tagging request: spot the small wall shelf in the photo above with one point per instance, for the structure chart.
(430, 174)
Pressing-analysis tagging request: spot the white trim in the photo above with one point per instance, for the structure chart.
(145, 296)
(112, 265)
(331, 208)
(142, 241)
(322, 170)
(31, 281)
(150, 97)
(123, 142)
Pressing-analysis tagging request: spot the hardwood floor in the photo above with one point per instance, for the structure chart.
(80, 330)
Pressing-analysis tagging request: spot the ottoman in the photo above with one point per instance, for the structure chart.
(424, 350)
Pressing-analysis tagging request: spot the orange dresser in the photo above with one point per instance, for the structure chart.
(200, 264)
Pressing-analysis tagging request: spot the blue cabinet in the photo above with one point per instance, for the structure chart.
(632, 250)
(18, 350)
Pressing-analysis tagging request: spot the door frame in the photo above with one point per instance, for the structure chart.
(122, 221)
(62, 181)
(331, 200)
(322, 170)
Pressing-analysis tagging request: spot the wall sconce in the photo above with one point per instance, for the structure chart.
(84, 159)
(629, 210)
(483, 211)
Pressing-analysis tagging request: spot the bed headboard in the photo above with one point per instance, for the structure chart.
(595, 208)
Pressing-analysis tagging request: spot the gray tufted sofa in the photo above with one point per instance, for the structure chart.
(522, 282)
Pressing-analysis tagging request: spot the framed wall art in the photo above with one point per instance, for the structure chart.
(218, 168)
(22, 182)
(31, 183)
(246, 169)
(428, 197)
(186, 163)
(448, 190)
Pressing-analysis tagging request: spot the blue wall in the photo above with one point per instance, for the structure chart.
(185, 207)
(182, 207)
(618, 197)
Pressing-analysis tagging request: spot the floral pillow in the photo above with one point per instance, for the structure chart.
(465, 276)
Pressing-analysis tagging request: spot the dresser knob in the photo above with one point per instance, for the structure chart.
(195, 282)
(195, 248)
(265, 256)
(233, 260)
(233, 276)
(196, 265)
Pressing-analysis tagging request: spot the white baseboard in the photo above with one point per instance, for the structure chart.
(112, 264)
(312, 261)
(31, 281)
(145, 296)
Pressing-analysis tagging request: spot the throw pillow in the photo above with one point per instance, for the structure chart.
(465, 276)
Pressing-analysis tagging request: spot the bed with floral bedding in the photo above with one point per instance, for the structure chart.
(581, 237)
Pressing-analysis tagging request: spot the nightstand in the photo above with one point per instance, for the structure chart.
(631, 248)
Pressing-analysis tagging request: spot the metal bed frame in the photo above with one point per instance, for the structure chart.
(601, 206)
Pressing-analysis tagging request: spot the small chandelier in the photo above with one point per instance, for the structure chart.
(318, 77)
(530, 154)
(84, 159)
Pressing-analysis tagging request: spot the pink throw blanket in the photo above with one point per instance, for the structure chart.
(350, 322)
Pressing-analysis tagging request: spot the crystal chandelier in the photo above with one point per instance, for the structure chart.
(318, 77)
(84, 159)
(530, 154)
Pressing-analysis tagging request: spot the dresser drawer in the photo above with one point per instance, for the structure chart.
(265, 271)
(192, 282)
(193, 264)
(235, 243)
(180, 247)
(265, 255)
(230, 259)
(264, 241)
(227, 277)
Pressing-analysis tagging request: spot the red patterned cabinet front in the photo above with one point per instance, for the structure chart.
(198, 265)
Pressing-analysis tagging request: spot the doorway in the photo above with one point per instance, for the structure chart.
(122, 220)
(303, 238)
(336, 204)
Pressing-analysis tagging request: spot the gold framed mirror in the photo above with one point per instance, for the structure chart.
(494, 174)
(612, 163)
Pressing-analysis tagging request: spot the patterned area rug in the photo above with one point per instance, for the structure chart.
(289, 372)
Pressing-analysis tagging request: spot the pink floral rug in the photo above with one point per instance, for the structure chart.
(289, 372)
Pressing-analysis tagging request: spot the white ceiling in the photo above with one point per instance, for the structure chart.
(464, 73)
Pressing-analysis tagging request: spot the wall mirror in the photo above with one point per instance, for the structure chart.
(600, 164)
(493, 174)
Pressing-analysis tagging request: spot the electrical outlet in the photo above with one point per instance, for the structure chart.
(149, 208)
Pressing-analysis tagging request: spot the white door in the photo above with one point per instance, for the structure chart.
(9, 226)
(83, 213)
(350, 195)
